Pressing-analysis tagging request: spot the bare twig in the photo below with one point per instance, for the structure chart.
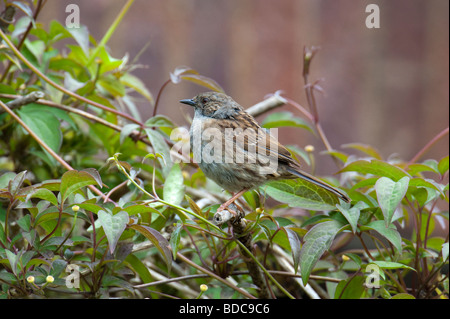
(429, 145)
(266, 105)
(23, 100)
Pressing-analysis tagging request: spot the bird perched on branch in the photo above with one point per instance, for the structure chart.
(233, 150)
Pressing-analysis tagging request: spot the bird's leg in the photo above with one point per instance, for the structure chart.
(231, 200)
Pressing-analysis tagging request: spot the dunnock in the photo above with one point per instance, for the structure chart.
(235, 152)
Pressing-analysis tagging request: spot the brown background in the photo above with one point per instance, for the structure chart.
(386, 87)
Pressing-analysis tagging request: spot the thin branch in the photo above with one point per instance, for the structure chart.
(155, 108)
(273, 101)
(433, 141)
(23, 100)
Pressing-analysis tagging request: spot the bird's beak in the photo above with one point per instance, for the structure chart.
(188, 102)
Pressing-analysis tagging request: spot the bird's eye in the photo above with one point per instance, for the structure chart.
(205, 100)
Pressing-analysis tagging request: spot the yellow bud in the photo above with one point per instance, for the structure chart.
(345, 258)
(258, 210)
(309, 148)
(75, 208)
(203, 287)
(50, 279)
(30, 279)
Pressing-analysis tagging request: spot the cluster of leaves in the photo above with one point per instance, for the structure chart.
(62, 235)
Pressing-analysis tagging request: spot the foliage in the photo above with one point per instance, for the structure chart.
(87, 189)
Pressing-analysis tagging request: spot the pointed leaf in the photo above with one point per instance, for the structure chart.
(44, 124)
(391, 265)
(203, 81)
(45, 194)
(281, 119)
(13, 259)
(175, 239)
(367, 149)
(300, 193)
(445, 251)
(352, 213)
(295, 244)
(157, 239)
(390, 233)
(317, 241)
(375, 167)
(351, 288)
(136, 84)
(173, 191)
(443, 165)
(175, 76)
(390, 194)
(160, 146)
(113, 225)
(73, 180)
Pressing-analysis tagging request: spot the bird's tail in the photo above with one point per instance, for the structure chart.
(319, 183)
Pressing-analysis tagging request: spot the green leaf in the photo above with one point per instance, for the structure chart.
(127, 130)
(138, 266)
(15, 184)
(391, 265)
(390, 194)
(173, 191)
(159, 121)
(72, 181)
(443, 165)
(317, 241)
(81, 36)
(45, 125)
(136, 84)
(13, 259)
(351, 288)
(112, 85)
(301, 193)
(25, 223)
(281, 119)
(367, 149)
(352, 213)
(113, 225)
(403, 296)
(160, 146)
(375, 167)
(2, 235)
(188, 74)
(157, 239)
(203, 81)
(295, 245)
(336, 154)
(445, 251)
(45, 194)
(5, 178)
(175, 239)
(415, 169)
(390, 233)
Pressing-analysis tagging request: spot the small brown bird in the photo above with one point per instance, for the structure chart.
(233, 150)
